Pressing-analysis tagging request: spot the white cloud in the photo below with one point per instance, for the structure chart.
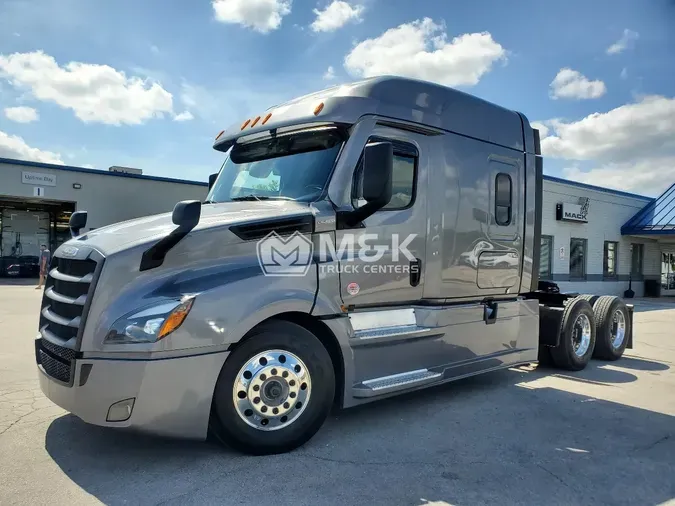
(154, 49)
(88, 166)
(543, 129)
(421, 50)
(632, 147)
(184, 116)
(624, 73)
(330, 74)
(627, 39)
(95, 93)
(573, 84)
(22, 114)
(12, 146)
(261, 15)
(336, 15)
(629, 132)
(647, 177)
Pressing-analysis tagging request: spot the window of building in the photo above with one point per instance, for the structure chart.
(577, 258)
(609, 264)
(546, 257)
(637, 259)
(403, 182)
(503, 199)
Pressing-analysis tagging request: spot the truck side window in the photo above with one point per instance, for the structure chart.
(403, 184)
(503, 199)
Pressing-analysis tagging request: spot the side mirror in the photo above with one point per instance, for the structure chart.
(378, 169)
(78, 220)
(186, 214)
(212, 180)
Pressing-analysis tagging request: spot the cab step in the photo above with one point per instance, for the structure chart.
(394, 383)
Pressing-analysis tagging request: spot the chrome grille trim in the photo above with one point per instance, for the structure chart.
(54, 273)
(52, 294)
(51, 316)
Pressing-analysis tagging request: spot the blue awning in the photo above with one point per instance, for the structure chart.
(656, 218)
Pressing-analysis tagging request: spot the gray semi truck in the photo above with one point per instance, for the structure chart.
(360, 242)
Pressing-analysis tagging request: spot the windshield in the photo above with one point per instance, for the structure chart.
(294, 166)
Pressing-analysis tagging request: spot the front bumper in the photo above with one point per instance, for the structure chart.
(171, 396)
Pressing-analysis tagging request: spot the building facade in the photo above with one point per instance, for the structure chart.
(37, 199)
(587, 247)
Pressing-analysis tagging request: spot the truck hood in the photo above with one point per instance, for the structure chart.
(128, 234)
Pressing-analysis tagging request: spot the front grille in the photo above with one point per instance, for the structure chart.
(75, 267)
(58, 351)
(70, 289)
(67, 291)
(55, 368)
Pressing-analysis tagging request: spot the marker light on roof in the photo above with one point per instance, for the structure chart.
(245, 124)
(255, 121)
(267, 118)
(318, 109)
(221, 133)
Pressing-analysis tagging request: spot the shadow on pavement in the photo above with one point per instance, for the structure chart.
(488, 439)
(642, 364)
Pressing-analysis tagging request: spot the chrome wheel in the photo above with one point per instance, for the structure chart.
(581, 335)
(618, 329)
(272, 390)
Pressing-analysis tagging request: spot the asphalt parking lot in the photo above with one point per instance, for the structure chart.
(523, 436)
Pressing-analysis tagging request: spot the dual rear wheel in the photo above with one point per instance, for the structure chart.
(591, 326)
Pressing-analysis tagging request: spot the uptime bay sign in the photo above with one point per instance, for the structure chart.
(38, 178)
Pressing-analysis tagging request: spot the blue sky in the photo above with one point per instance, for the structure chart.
(598, 77)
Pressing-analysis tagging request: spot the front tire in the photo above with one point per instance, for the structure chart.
(577, 336)
(275, 390)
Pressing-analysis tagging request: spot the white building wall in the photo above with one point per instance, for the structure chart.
(608, 211)
(107, 198)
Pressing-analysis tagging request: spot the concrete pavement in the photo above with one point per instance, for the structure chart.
(523, 436)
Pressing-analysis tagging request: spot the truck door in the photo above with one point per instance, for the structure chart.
(383, 273)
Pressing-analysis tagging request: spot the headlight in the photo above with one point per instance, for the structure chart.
(150, 324)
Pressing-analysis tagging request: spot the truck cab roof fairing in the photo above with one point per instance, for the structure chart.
(395, 97)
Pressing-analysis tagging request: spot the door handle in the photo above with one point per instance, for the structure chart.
(415, 272)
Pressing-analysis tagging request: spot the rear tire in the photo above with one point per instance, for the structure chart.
(590, 298)
(612, 327)
(577, 336)
(257, 403)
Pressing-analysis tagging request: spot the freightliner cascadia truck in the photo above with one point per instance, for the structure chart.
(364, 241)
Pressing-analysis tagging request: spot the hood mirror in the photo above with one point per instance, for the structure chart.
(78, 220)
(186, 214)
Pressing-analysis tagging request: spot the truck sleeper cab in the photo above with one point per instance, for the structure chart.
(360, 242)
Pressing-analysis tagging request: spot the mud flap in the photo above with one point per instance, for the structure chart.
(630, 308)
(550, 320)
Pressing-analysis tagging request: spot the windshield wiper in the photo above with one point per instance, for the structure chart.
(259, 197)
(250, 197)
